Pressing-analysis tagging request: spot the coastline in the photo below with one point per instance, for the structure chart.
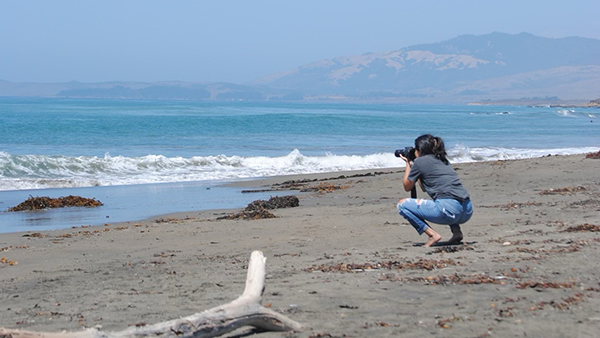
(342, 263)
(533, 102)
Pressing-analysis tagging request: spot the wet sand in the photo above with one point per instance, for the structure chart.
(343, 263)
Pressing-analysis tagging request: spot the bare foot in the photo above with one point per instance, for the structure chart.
(434, 237)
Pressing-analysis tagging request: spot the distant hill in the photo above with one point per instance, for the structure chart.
(468, 68)
(136, 90)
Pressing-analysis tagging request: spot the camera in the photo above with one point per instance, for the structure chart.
(408, 152)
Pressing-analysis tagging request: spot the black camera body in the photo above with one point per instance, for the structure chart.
(408, 152)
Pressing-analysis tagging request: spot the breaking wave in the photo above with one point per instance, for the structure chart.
(21, 172)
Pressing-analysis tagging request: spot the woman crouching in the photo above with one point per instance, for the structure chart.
(451, 204)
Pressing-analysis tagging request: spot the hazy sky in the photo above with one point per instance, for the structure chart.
(238, 41)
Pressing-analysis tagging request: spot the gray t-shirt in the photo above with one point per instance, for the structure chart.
(439, 179)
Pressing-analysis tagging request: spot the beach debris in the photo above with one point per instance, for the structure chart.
(545, 285)
(593, 203)
(304, 185)
(4, 260)
(260, 208)
(44, 202)
(457, 279)
(563, 191)
(324, 187)
(320, 335)
(595, 156)
(246, 310)
(451, 249)
(444, 323)
(421, 264)
(512, 205)
(35, 235)
(506, 312)
(564, 305)
(249, 215)
(166, 220)
(451, 279)
(369, 325)
(320, 187)
(574, 246)
(583, 228)
(512, 242)
(8, 248)
(169, 220)
(276, 202)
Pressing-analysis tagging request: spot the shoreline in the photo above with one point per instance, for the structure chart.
(270, 182)
(342, 263)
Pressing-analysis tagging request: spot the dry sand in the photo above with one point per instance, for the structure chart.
(343, 263)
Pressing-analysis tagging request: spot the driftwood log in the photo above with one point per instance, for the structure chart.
(246, 310)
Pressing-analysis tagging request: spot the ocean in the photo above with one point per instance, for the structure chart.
(147, 158)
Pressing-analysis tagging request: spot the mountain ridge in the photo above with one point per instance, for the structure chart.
(467, 68)
(438, 66)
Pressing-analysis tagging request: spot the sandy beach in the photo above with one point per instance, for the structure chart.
(343, 263)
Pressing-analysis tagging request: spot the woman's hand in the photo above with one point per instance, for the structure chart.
(408, 163)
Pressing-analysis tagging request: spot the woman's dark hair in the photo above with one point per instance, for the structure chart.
(431, 145)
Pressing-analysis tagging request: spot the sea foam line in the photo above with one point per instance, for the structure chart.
(19, 172)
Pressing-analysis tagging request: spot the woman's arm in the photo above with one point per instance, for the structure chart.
(408, 184)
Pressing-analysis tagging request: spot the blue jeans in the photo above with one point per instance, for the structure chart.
(441, 211)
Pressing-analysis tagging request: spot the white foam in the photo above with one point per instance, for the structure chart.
(20, 172)
(575, 113)
(461, 154)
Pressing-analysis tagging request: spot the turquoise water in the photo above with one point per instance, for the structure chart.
(57, 146)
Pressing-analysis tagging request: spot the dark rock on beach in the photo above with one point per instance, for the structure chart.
(44, 202)
(260, 208)
(276, 202)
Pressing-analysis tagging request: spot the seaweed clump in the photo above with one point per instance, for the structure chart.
(260, 208)
(44, 202)
(595, 156)
(276, 202)
(583, 228)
